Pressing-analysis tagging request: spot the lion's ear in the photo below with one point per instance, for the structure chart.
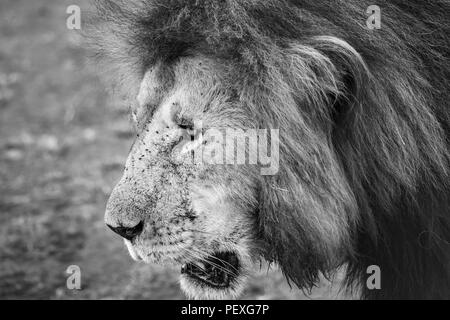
(351, 76)
(342, 104)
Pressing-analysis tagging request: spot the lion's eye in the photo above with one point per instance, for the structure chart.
(186, 124)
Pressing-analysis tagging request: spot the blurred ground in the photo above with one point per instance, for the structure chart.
(62, 145)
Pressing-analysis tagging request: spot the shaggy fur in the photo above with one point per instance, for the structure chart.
(364, 153)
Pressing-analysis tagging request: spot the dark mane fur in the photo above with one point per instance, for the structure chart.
(365, 114)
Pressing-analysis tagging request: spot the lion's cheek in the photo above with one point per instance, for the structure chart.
(217, 213)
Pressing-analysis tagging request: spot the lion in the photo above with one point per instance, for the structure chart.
(362, 156)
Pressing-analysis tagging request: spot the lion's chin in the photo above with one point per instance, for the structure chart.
(220, 276)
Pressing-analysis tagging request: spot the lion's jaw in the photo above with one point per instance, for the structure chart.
(187, 210)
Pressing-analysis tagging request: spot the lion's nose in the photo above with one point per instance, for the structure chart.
(128, 233)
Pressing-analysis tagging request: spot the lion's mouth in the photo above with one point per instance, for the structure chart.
(217, 271)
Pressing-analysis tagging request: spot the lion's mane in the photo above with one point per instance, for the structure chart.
(372, 157)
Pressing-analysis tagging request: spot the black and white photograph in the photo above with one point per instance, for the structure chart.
(225, 150)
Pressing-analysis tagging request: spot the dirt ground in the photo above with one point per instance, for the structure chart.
(63, 143)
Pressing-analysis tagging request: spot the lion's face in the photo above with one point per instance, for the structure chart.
(171, 209)
(213, 217)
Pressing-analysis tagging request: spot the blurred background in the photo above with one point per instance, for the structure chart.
(63, 142)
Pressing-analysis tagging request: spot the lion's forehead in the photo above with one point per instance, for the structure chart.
(192, 83)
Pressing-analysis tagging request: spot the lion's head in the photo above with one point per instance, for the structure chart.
(349, 137)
